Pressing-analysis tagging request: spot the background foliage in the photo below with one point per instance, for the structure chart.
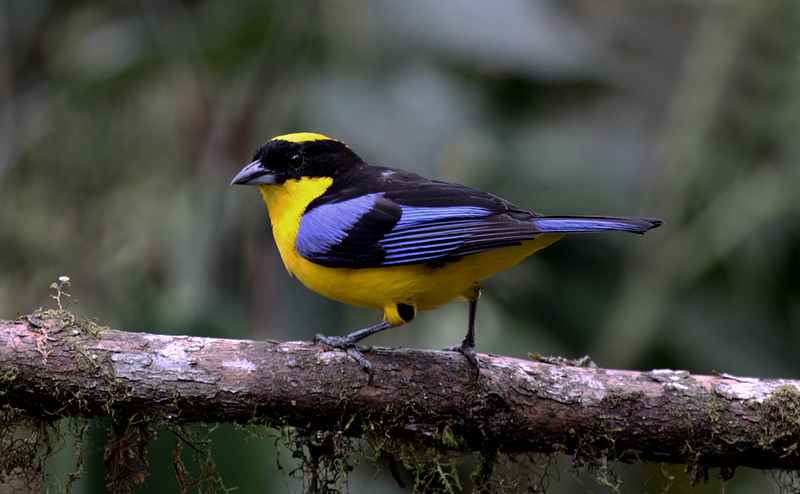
(122, 123)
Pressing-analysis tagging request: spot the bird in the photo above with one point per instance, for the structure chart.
(387, 239)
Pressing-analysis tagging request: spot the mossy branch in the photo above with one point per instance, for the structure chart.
(57, 364)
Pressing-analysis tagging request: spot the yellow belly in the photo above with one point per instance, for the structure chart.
(419, 285)
(423, 286)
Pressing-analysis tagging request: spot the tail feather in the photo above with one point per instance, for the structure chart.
(576, 224)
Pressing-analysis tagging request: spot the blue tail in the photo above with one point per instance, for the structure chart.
(576, 224)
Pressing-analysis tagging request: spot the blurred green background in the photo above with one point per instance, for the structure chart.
(122, 124)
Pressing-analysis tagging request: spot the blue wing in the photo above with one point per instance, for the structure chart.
(386, 217)
(412, 220)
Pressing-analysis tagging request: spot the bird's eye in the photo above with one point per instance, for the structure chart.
(296, 160)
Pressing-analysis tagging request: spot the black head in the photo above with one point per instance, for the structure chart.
(295, 156)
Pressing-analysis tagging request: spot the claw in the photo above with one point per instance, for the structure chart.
(362, 362)
(469, 352)
(348, 344)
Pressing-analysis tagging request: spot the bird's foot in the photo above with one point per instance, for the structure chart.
(468, 351)
(348, 344)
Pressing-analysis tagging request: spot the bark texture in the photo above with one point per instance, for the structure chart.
(56, 364)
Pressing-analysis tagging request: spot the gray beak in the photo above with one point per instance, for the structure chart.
(254, 174)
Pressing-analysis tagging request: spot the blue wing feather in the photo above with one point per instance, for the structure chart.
(414, 216)
(578, 224)
(328, 225)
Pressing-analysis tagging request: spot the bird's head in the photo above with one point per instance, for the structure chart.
(296, 156)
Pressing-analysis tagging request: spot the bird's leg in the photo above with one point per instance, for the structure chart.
(467, 346)
(348, 344)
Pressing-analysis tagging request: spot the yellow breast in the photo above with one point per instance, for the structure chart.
(286, 203)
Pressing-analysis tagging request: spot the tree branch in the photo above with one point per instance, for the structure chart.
(56, 363)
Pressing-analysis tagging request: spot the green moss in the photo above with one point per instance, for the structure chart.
(616, 399)
(449, 439)
(8, 376)
(70, 322)
(781, 412)
(712, 410)
(24, 445)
